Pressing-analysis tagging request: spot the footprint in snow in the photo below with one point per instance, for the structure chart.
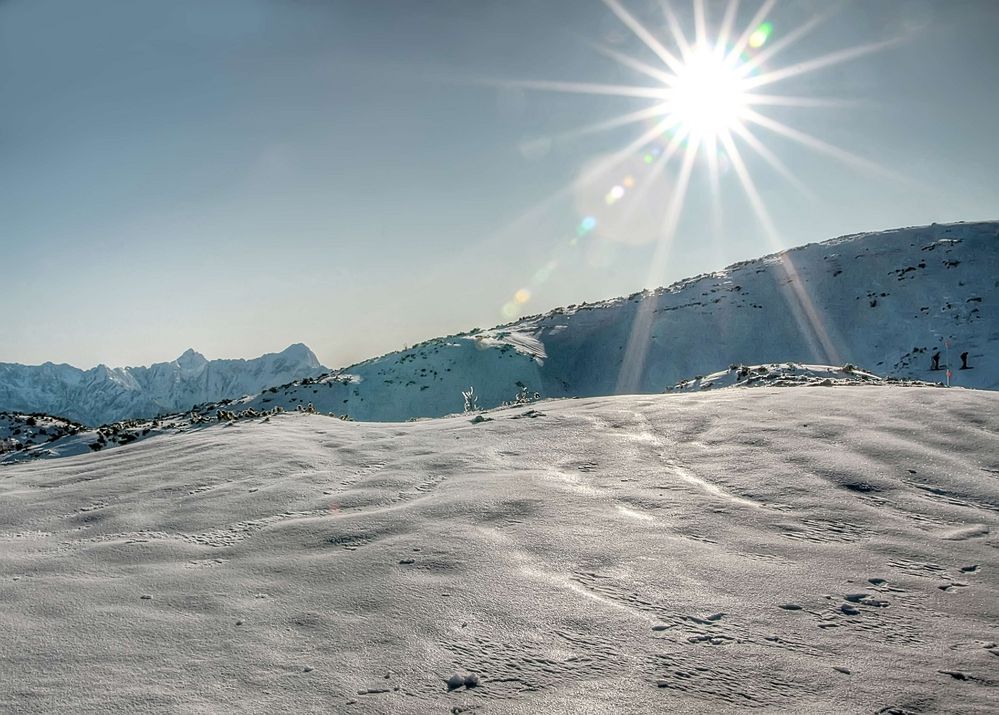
(955, 674)
(457, 680)
(952, 584)
(530, 414)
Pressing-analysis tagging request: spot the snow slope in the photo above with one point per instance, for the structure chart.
(27, 437)
(802, 550)
(103, 395)
(22, 432)
(883, 301)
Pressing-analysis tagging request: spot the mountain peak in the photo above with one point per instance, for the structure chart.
(301, 352)
(191, 359)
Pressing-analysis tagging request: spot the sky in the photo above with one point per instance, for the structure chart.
(361, 175)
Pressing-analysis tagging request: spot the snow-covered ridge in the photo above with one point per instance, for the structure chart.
(19, 432)
(39, 436)
(887, 301)
(103, 395)
(790, 375)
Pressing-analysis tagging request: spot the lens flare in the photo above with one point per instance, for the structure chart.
(760, 35)
(614, 195)
(586, 225)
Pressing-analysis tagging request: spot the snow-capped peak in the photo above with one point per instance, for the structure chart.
(191, 360)
(301, 353)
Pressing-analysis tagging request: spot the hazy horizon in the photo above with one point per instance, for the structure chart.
(242, 177)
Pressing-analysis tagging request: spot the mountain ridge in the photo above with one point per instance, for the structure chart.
(885, 300)
(104, 394)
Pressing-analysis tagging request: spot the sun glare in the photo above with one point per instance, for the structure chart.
(706, 98)
(709, 91)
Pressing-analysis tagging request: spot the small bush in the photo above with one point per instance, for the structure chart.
(471, 400)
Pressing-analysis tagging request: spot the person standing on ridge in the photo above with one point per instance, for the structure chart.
(936, 361)
(964, 361)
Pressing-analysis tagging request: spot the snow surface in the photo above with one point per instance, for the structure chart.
(805, 550)
(884, 301)
(103, 395)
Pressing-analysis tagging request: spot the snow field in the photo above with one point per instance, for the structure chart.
(793, 549)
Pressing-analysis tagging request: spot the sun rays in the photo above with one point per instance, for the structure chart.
(709, 88)
(706, 87)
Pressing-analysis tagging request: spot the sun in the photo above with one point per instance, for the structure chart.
(707, 98)
(710, 89)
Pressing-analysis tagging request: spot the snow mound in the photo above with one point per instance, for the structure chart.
(781, 550)
(789, 375)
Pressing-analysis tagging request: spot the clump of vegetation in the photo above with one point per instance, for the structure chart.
(523, 397)
(471, 400)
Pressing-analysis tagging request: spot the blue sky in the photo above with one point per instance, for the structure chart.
(240, 175)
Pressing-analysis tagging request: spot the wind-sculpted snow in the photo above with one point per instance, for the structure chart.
(885, 301)
(104, 395)
(827, 550)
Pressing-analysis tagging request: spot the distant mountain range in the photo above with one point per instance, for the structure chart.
(102, 394)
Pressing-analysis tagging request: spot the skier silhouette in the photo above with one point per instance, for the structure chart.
(964, 361)
(936, 361)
